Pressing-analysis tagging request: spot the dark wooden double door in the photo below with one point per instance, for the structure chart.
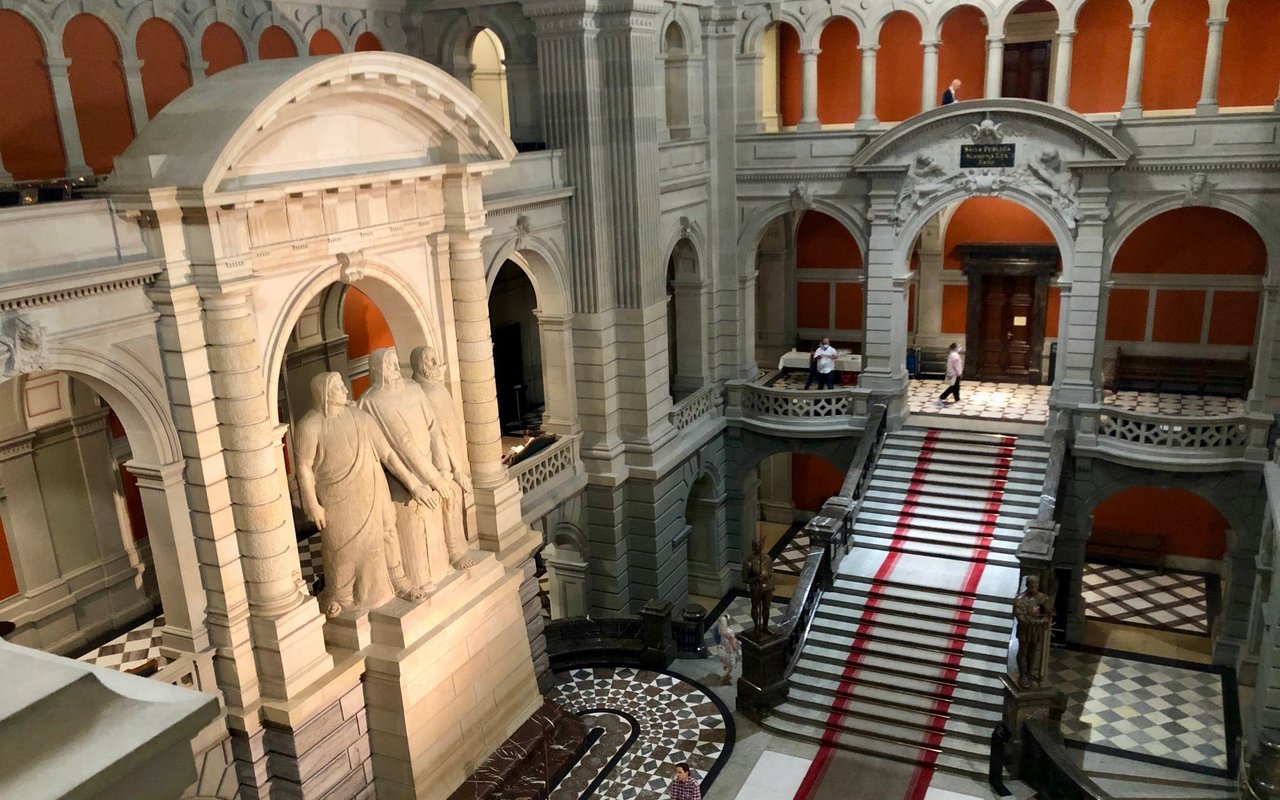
(1026, 70)
(1008, 300)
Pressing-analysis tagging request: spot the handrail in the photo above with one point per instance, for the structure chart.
(705, 402)
(559, 457)
(1047, 768)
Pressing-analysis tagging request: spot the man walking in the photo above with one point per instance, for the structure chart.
(955, 368)
(824, 359)
(684, 787)
(952, 93)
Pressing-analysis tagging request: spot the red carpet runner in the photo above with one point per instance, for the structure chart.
(922, 775)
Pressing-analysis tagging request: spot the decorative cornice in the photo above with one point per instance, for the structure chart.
(78, 293)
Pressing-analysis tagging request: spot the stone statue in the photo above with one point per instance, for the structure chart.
(1049, 179)
(924, 179)
(429, 373)
(401, 410)
(1033, 614)
(757, 574)
(340, 454)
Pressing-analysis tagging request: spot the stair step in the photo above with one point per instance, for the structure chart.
(912, 534)
(942, 515)
(902, 616)
(920, 646)
(873, 744)
(976, 706)
(894, 490)
(907, 724)
(970, 437)
(979, 479)
(934, 524)
(961, 454)
(921, 604)
(901, 590)
(880, 655)
(948, 470)
(933, 550)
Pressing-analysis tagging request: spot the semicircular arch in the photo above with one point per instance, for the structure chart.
(1132, 219)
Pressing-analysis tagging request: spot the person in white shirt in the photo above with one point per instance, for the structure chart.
(955, 368)
(824, 361)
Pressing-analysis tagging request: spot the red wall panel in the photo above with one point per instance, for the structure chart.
(1193, 241)
(955, 309)
(324, 43)
(839, 73)
(1189, 524)
(1250, 58)
(848, 306)
(275, 43)
(165, 73)
(1176, 44)
(899, 68)
(1234, 317)
(1100, 57)
(220, 47)
(790, 75)
(991, 219)
(366, 42)
(1127, 315)
(823, 243)
(98, 91)
(962, 53)
(1179, 316)
(30, 140)
(813, 305)
(813, 481)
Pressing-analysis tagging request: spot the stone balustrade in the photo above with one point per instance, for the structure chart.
(1183, 442)
(549, 476)
(791, 411)
(706, 403)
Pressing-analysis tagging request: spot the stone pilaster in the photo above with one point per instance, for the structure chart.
(929, 83)
(68, 125)
(884, 354)
(1079, 334)
(809, 90)
(132, 69)
(867, 117)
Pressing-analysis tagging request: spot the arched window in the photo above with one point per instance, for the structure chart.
(1100, 57)
(221, 48)
(676, 81)
(489, 76)
(275, 43)
(30, 140)
(324, 43)
(165, 73)
(98, 91)
(899, 68)
(839, 73)
(789, 86)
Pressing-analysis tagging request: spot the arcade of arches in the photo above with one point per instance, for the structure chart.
(381, 387)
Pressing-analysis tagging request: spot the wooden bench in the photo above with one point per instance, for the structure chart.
(1146, 549)
(1202, 376)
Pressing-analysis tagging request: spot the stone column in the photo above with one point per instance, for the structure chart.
(929, 84)
(555, 336)
(884, 354)
(995, 66)
(1132, 108)
(1208, 104)
(1062, 68)
(809, 96)
(929, 315)
(132, 68)
(68, 126)
(173, 550)
(1078, 379)
(867, 116)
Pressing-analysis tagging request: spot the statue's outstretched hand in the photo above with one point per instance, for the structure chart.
(425, 495)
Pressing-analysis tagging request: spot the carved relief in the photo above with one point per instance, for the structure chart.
(352, 267)
(801, 197)
(1198, 190)
(22, 347)
(988, 131)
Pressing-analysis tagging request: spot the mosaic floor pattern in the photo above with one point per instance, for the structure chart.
(738, 607)
(1173, 601)
(651, 721)
(1143, 709)
(981, 400)
(1175, 405)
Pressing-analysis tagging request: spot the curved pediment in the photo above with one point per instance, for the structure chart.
(290, 120)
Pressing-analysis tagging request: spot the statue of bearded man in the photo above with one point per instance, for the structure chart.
(429, 374)
(340, 454)
(430, 549)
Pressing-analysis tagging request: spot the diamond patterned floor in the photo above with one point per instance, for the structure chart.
(791, 551)
(129, 650)
(981, 400)
(1172, 601)
(672, 719)
(1143, 708)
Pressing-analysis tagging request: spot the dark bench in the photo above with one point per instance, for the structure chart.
(1146, 549)
(1202, 376)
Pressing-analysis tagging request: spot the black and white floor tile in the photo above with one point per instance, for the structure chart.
(738, 606)
(129, 650)
(796, 379)
(791, 551)
(1146, 709)
(1175, 405)
(1173, 601)
(309, 559)
(981, 400)
(651, 722)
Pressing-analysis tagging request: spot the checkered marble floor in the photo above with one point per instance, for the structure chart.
(129, 650)
(1141, 708)
(739, 611)
(309, 558)
(1172, 601)
(790, 552)
(1175, 405)
(981, 400)
(672, 719)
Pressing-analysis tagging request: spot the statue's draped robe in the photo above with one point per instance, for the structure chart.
(455, 444)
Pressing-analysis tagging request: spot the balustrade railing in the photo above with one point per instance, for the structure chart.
(702, 404)
(792, 408)
(1199, 441)
(561, 458)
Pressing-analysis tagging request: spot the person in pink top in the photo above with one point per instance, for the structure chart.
(955, 368)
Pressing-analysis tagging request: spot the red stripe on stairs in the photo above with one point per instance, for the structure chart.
(866, 621)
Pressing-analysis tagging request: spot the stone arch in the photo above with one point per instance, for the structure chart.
(148, 11)
(108, 14)
(753, 32)
(267, 20)
(1130, 220)
(999, 17)
(876, 24)
(543, 270)
(932, 27)
(754, 228)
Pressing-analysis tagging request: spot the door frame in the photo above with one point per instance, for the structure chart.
(980, 261)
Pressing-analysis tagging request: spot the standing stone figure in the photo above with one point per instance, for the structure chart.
(429, 374)
(400, 408)
(1033, 612)
(340, 455)
(757, 574)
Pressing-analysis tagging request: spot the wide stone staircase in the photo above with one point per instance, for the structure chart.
(904, 657)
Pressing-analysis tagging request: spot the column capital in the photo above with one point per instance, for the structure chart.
(154, 476)
(1065, 33)
(810, 52)
(868, 49)
(552, 321)
(1140, 28)
(1217, 22)
(995, 38)
(130, 63)
(57, 66)
(931, 44)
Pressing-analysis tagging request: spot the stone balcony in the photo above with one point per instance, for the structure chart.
(548, 478)
(807, 413)
(1182, 443)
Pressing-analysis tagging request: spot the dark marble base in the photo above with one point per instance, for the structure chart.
(528, 765)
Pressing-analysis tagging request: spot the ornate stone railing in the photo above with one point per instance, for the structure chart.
(190, 671)
(702, 404)
(789, 410)
(560, 458)
(1185, 442)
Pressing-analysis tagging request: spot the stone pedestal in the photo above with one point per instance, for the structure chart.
(659, 641)
(447, 680)
(763, 684)
(1044, 703)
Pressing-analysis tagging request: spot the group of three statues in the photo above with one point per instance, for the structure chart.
(384, 535)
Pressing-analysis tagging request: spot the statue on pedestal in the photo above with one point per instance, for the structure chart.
(340, 454)
(429, 374)
(431, 550)
(1033, 614)
(757, 574)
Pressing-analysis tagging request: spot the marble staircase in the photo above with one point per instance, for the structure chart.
(904, 657)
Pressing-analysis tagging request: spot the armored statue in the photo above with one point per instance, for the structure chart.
(400, 408)
(757, 574)
(340, 455)
(1033, 613)
(429, 374)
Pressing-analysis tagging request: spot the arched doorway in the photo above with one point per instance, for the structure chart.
(792, 488)
(489, 76)
(686, 322)
(517, 351)
(1030, 51)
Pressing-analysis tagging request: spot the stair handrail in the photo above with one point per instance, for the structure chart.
(1048, 769)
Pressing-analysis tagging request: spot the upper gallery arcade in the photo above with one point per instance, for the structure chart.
(583, 251)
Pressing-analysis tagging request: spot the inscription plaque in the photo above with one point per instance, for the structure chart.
(986, 156)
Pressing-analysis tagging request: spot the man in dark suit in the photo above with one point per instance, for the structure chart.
(952, 93)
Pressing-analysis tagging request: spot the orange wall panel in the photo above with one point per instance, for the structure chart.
(1250, 57)
(275, 43)
(813, 481)
(359, 386)
(823, 243)
(8, 577)
(991, 219)
(1100, 58)
(962, 53)
(1179, 316)
(164, 64)
(366, 328)
(324, 43)
(30, 140)
(367, 42)
(1234, 317)
(790, 75)
(1193, 241)
(1189, 524)
(1176, 44)
(1127, 315)
(955, 309)
(1052, 309)
(220, 47)
(899, 68)
(813, 305)
(98, 91)
(839, 72)
(849, 306)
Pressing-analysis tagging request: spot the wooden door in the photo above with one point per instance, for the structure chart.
(1026, 70)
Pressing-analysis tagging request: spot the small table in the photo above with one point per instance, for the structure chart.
(846, 361)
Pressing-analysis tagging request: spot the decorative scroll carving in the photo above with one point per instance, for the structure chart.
(352, 267)
(925, 178)
(988, 131)
(22, 346)
(559, 459)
